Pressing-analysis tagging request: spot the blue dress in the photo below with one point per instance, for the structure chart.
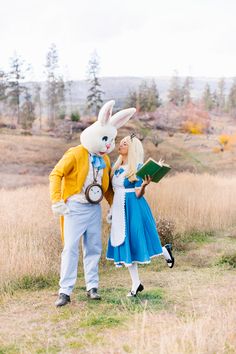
(141, 240)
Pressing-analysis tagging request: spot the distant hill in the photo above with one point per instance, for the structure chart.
(118, 88)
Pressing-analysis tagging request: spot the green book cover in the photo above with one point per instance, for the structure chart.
(154, 170)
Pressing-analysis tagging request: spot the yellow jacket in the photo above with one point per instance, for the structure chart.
(69, 174)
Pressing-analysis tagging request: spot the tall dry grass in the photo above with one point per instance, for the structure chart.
(29, 242)
(29, 235)
(195, 202)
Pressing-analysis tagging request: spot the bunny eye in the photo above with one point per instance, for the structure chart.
(105, 138)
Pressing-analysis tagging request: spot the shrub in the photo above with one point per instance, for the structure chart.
(193, 127)
(165, 228)
(224, 139)
(75, 116)
(226, 142)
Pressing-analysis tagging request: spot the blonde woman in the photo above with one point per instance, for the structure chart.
(134, 238)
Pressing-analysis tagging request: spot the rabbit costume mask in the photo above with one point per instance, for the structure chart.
(99, 138)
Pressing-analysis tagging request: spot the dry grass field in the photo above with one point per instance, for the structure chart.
(26, 160)
(30, 240)
(188, 309)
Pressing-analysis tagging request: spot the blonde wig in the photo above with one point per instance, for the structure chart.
(135, 157)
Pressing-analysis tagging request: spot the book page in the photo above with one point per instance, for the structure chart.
(162, 164)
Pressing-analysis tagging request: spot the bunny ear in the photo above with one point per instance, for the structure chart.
(105, 112)
(121, 117)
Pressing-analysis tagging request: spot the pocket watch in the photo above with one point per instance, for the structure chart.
(94, 193)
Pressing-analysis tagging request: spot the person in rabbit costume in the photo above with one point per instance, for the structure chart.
(77, 184)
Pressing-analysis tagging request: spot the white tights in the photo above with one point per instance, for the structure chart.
(133, 271)
(165, 253)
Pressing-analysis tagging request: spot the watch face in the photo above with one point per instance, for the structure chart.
(95, 193)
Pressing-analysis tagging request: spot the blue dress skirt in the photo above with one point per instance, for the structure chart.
(141, 241)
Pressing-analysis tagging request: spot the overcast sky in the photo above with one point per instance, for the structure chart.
(131, 37)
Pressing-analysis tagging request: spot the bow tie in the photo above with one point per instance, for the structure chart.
(119, 171)
(98, 162)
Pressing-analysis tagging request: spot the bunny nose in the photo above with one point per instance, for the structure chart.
(108, 146)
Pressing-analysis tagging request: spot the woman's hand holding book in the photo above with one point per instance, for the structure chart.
(146, 181)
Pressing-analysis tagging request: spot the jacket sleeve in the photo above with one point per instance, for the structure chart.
(62, 168)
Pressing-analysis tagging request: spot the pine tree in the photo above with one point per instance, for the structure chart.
(3, 90)
(153, 97)
(221, 95)
(186, 90)
(232, 99)
(28, 113)
(38, 102)
(132, 99)
(94, 98)
(143, 98)
(207, 98)
(175, 94)
(215, 100)
(3, 85)
(61, 105)
(69, 84)
(55, 86)
(15, 86)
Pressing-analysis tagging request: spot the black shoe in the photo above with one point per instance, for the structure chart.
(133, 294)
(170, 262)
(93, 294)
(62, 300)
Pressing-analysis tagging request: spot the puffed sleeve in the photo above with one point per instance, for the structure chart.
(138, 183)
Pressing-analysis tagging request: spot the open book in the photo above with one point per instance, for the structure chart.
(153, 169)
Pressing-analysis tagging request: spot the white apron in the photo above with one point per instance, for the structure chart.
(118, 209)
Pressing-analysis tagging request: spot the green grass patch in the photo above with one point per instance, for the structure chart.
(102, 320)
(93, 338)
(228, 260)
(182, 242)
(199, 237)
(9, 349)
(30, 282)
(65, 313)
(76, 345)
(115, 299)
(37, 282)
(51, 350)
